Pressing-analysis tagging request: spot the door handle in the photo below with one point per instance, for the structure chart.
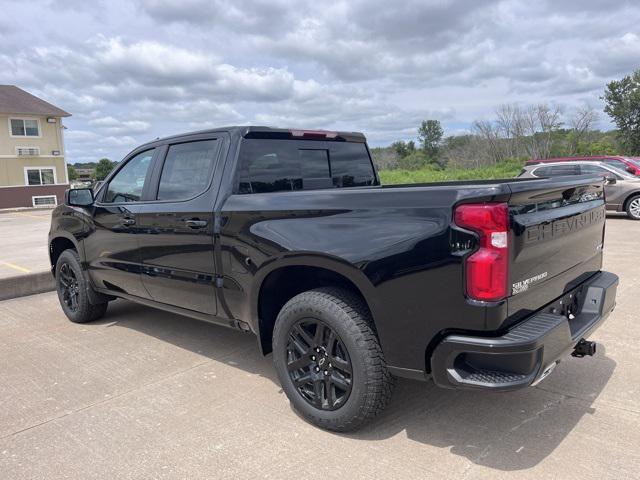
(194, 223)
(128, 221)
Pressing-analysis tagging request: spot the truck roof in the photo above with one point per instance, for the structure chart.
(257, 131)
(585, 158)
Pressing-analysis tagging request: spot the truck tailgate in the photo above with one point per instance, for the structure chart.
(556, 240)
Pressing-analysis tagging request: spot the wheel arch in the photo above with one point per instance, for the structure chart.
(59, 244)
(289, 276)
(629, 196)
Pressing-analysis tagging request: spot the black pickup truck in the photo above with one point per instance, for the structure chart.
(288, 234)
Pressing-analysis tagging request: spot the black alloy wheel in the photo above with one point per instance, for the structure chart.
(318, 364)
(79, 302)
(69, 287)
(329, 360)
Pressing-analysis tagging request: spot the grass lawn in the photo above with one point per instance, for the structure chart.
(507, 169)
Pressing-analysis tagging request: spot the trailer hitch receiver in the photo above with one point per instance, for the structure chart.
(584, 347)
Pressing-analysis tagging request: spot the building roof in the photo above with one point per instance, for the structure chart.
(16, 100)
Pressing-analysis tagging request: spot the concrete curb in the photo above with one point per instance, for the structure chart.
(29, 284)
(25, 209)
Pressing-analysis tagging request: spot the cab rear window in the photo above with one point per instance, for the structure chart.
(276, 165)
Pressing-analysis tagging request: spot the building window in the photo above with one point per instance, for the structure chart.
(23, 127)
(40, 176)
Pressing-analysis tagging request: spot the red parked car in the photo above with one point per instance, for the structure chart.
(629, 164)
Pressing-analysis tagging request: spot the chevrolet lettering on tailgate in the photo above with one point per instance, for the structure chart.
(563, 226)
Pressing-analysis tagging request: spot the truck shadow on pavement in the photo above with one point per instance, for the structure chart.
(504, 431)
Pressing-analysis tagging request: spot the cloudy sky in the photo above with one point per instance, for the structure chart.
(130, 71)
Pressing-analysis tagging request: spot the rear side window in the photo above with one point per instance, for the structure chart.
(557, 171)
(274, 165)
(616, 163)
(594, 169)
(187, 170)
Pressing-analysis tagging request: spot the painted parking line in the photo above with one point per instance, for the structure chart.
(16, 267)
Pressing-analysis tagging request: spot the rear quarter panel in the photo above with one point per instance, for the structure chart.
(395, 245)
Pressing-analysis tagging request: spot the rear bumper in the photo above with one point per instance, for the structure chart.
(529, 351)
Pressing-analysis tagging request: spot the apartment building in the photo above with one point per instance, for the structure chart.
(33, 169)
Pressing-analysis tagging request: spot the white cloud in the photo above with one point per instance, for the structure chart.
(132, 71)
(113, 126)
(153, 61)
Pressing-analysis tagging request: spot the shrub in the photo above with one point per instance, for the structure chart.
(413, 161)
(506, 169)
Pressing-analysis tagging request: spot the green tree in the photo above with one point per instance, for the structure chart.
(600, 147)
(430, 135)
(400, 147)
(103, 168)
(622, 104)
(403, 148)
(72, 174)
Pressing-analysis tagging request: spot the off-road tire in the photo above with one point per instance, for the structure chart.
(68, 266)
(348, 316)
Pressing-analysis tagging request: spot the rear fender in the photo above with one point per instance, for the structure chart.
(336, 265)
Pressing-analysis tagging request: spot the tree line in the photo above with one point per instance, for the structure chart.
(522, 132)
(101, 169)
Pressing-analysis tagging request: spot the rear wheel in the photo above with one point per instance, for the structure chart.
(633, 207)
(74, 292)
(329, 360)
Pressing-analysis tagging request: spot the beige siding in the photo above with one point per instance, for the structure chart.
(12, 167)
(47, 142)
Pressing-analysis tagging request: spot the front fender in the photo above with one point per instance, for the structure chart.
(70, 223)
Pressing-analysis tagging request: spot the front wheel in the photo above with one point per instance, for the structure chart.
(329, 360)
(633, 207)
(74, 291)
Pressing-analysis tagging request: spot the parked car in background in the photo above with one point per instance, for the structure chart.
(622, 190)
(628, 164)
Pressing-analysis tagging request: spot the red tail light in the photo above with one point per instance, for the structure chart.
(487, 270)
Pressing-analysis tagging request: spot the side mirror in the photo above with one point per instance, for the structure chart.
(79, 197)
(610, 180)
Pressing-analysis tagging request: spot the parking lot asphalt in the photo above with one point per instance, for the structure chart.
(147, 394)
(23, 236)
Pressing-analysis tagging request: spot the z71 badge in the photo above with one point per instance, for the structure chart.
(523, 285)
